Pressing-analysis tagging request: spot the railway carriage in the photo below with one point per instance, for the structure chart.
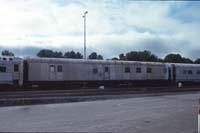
(11, 71)
(187, 73)
(75, 72)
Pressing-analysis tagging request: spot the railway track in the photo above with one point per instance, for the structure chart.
(45, 93)
(59, 96)
(86, 92)
(52, 93)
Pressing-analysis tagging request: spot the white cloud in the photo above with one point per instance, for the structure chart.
(123, 25)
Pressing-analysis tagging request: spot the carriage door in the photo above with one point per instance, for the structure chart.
(174, 73)
(106, 72)
(169, 74)
(52, 72)
(59, 72)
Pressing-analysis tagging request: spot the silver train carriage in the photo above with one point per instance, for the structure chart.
(11, 71)
(60, 72)
(77, 72)
(186, 73)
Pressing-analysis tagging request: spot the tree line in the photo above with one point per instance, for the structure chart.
(57, 54)
(129, 56)
(70, 54)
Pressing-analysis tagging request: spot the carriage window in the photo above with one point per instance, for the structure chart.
(127, 70)
(2, 69)
(184, 72)
(52, 68)
(59, 68)
(198, 72)
(106, 69)
(138, 70)
(10, 59)
(4, 58)
(190, 72)
(164, 70)
(149, 70)
(95, 70)
(16, 67)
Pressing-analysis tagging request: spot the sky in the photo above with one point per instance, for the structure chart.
(112, 26)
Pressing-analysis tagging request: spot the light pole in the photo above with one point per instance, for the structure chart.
(84, 21)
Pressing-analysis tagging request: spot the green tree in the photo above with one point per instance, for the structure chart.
(160, 60)
(122, 57)
(70, 54)
(7, 53)
(132, 56)
(139, 56)
(187, 60)
(94, 55)
(79, 55)
(173, 58)
(58, 54)
(49, 53)
(74, 55)
(176, 58)
(100, 57)
(115, 58)
(197, 61)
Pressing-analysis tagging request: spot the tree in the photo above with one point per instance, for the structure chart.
(122, 57)
(100, 57)
(79, 55)
(160, 60)
(139, 56)
(176, 58)
(7, 53)
(70, 54)
(49, 53)
(173, 58)
(58, 54)
(115, 58)
(186, 60)
(94, 55)
(74, 55)
(45, 53)
(197, 61)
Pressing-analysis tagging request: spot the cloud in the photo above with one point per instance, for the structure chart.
(113, 27)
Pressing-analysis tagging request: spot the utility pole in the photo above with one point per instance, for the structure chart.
(84, 21)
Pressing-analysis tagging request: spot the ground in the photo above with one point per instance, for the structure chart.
(153, 114)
